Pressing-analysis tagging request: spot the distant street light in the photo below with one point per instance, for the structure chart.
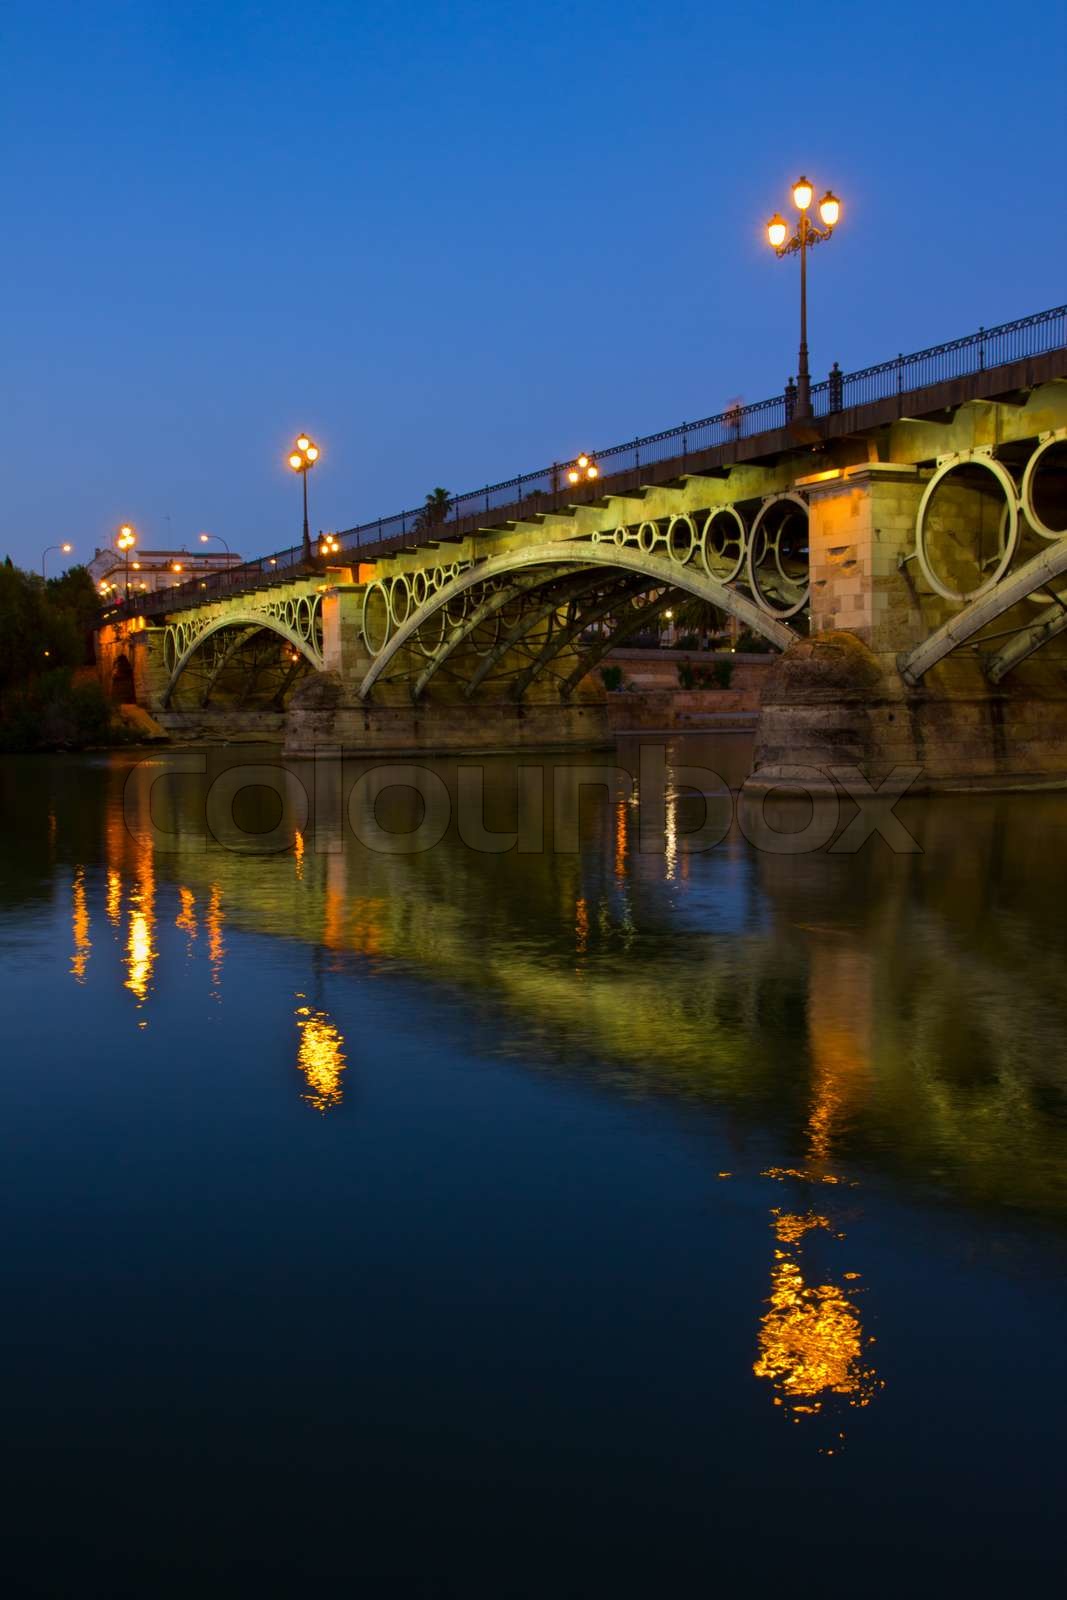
(47, 551)
(126, 540)
(808, 233)
(584, 469)
(204, 537)
(304, 455)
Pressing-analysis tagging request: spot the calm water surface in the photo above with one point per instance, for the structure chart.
(594, 1221)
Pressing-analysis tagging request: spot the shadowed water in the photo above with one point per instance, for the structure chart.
(524, 1215)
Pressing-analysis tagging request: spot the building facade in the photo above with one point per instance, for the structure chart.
(152, 570)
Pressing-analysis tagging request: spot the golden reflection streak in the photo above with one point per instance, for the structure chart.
(79, 920)
(840, 1028)
(620, 838)
(670, 838)
(351, 922)
(216, 948)
(790, 1228)
(811, 1340)
(113, 902)
(811, 1336)
(186, 918)
(140, 949)
(336, 910)
(117, 839)
(320, 1057)
(298, 853)
(581, 927)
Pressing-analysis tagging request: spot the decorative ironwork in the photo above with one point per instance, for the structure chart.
(531, 493)
(513, 618)
(982, 462)
(999, 589)
(297, 620)
(1048, 564)
(777, 562)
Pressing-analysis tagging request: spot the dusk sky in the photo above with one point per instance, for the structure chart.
(457, 241)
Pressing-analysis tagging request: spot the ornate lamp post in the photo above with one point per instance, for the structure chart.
(47, 551)
(808, 233)
(125, 541)
(329, 544)
(304, 455)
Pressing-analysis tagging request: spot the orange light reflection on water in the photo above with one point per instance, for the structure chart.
(140, 948)
(216, 947)
(811, 1341)
(186, 918)
(621, 842)
(320, 1057)
(79, 921)
(581, 927)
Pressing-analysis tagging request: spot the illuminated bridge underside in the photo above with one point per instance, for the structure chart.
(208, 644)
(510, 620)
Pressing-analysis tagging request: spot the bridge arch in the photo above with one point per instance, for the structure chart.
(189, 643)
(547, 565)
(1048, 565)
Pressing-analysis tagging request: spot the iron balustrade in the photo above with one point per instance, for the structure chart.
(533, 492)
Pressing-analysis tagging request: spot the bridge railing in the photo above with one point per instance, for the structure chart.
(531, 492)
(959, 358)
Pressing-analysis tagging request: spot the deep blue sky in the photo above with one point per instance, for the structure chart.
(458, 240)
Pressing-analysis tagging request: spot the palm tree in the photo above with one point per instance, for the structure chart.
(698, 616)
(435, 511)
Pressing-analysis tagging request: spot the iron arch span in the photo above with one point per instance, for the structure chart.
(559, 564)
(240, 623)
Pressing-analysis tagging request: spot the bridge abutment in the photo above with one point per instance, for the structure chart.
(136, 645)
(840, 698)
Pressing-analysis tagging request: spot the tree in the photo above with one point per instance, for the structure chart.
(698, 616)
(72, 602)
(45, 633)
(435, 511)
(22, 640)
(44, 625)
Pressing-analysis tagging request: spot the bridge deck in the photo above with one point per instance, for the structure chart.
(928, 402)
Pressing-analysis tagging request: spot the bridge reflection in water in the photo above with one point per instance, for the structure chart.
(841, 1015)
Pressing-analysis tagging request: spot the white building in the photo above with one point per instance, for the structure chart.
(152, 570)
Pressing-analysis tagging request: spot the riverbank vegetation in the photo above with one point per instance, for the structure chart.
(48, 699)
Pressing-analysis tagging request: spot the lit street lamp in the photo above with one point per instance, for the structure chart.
(125, 542)
(204, 537)
(304, 455)
(329, 544)
(47, 551)
(808, 233)
(584, 470)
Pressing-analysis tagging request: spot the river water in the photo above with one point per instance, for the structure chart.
(601, 1215)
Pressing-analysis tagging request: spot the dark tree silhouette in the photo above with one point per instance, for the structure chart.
(435, 511)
